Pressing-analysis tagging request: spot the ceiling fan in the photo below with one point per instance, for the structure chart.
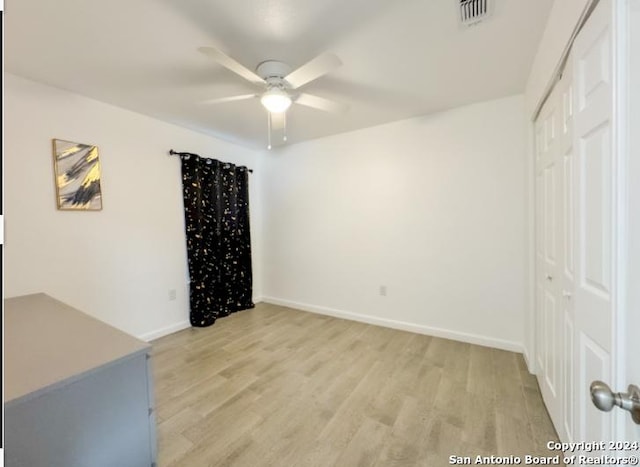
(280, 85)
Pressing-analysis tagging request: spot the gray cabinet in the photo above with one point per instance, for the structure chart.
(77, 391)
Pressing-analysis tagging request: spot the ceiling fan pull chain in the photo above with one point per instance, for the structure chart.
(269, 129)
(284, 126)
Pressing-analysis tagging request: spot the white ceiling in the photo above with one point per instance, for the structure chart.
(401, 58)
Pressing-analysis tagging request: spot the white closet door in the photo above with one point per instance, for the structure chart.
(594, 218)
(549, 256)
(565, 419)
(575, 184)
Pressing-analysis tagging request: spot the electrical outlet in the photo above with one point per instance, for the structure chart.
(172, 294)
(383, 290)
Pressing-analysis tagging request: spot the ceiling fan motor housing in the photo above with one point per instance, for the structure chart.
(273, 72)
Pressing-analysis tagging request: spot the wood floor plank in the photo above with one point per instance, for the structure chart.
(174, 448)
(482, 376)
(456, 361)
(167, 405)
(364, 447)
(514, 436)
(541, 426)
(427, 382)
(479, 423)
(402, 447)
(274, 386)
(418, 345)
(337, 434)
(509, 388)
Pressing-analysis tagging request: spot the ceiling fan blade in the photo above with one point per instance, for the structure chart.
(229, 63)
(277, 121)
(313, 69)
(220, 100)
(321, 103)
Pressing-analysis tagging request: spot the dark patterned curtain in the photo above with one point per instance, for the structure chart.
(216, 207)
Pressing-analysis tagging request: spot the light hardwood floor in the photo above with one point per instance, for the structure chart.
(274, 386)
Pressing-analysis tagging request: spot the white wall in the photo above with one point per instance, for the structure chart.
(117, 264)
(433, 207)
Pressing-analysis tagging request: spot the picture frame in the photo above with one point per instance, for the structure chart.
(77, 176)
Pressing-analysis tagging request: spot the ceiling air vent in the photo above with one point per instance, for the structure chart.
(473, 11)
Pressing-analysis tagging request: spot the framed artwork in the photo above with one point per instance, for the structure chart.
(77, 173)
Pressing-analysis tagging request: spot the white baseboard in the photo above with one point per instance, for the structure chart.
(157, 334)
(402, 325)
(149, 336)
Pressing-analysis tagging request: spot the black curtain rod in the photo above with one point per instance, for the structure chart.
(176, 153)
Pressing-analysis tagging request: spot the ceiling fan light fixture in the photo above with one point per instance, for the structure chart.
(275, 100)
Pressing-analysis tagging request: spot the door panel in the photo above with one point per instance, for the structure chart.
(550, 212)
(540, 329)
(596, 211)
(595, 217)
(594, 70)
(568, 378)
(549, 208)
(565, 144)
(568, 184)
(569, 213)
(594, 362)
(551, 344)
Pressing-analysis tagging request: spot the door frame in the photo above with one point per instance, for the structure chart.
(632, 302)
(622, 130)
